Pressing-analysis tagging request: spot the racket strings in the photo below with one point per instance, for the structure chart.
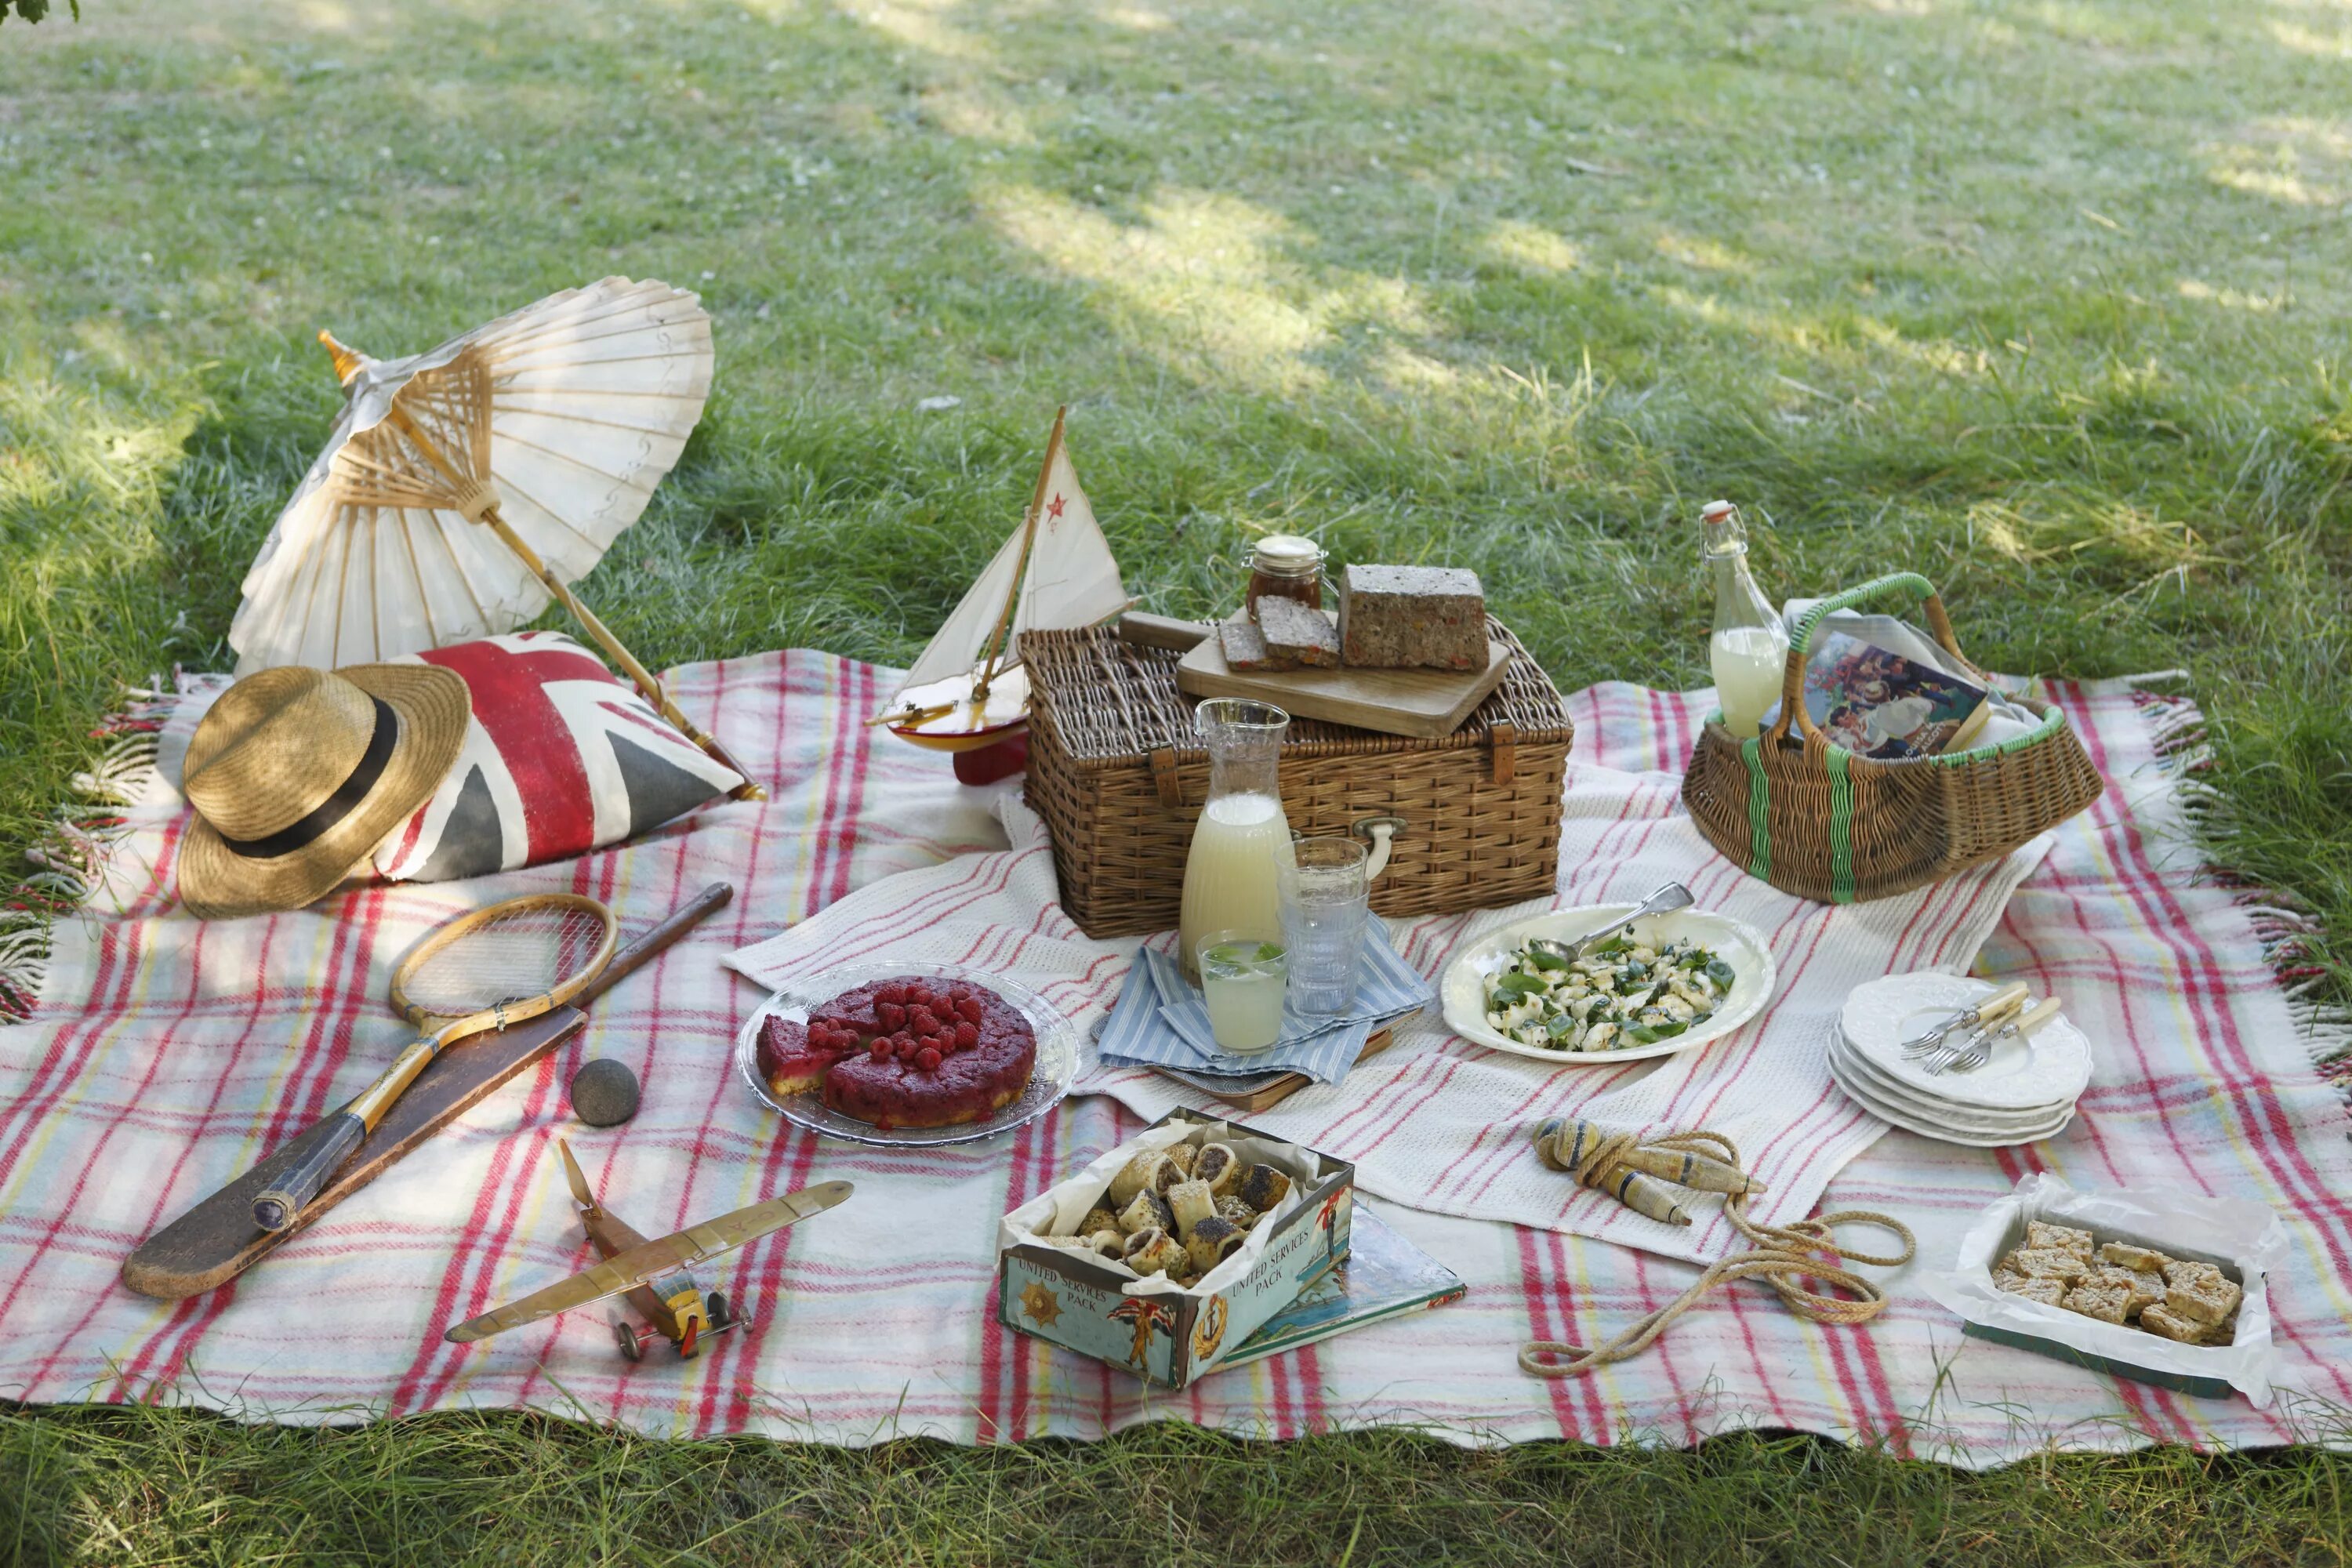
(513, 956)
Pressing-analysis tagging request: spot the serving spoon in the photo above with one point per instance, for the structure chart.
(1665, 901)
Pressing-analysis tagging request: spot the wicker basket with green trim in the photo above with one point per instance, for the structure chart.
(1821, 821)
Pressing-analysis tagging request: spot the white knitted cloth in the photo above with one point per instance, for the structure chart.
(1442, 1124)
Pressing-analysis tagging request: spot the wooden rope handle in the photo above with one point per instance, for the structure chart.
(1791, 1259)
(1792, 675)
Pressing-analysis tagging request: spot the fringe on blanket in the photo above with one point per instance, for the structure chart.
(2287, 931)
(68, 859)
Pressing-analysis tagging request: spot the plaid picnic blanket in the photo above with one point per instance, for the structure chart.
(1436, 1122)
(163, 1055)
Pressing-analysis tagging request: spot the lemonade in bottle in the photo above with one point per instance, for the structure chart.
(1749, 645)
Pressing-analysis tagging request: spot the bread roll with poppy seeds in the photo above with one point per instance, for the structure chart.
(1149, 1211)
(1218, 1165)
(1212, 1241)
(1262, 1187)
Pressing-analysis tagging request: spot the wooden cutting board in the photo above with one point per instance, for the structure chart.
(1426, 704)
(1263, 1091)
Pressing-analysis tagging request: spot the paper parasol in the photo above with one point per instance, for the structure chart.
(464, 487)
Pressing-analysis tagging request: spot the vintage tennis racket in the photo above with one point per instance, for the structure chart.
(494, 967)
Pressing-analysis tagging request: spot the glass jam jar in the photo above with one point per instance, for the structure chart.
(1287, 567)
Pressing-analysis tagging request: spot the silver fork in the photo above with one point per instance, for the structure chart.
(1967, 1018)
(1979, 1049)
(1994, 1015)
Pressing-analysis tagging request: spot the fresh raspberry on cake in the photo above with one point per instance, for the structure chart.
(960, 1053)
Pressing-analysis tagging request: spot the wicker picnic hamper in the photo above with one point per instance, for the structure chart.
(1119, 774)
(1824, 823)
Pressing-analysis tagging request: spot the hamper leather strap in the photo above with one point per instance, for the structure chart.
(1164, 778)
(1504, 737)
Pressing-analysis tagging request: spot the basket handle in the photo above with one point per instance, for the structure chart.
(1792, 679)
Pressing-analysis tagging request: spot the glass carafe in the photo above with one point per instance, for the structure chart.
(1242, 838)
(1748, 647)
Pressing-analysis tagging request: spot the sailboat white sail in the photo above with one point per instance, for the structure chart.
(1056, 572)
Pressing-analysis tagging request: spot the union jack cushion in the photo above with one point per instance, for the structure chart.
(559, 758)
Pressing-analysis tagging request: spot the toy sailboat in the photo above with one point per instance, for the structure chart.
(968, 694)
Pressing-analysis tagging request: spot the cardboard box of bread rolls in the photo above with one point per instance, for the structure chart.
(1201, 1261)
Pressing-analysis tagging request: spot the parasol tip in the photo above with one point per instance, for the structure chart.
(349, 361)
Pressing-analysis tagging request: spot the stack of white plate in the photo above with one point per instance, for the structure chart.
(2024, 1093)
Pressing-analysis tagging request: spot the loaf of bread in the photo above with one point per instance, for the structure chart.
(1411, 617)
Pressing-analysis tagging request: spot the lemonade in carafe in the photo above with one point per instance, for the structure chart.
(1243, 838)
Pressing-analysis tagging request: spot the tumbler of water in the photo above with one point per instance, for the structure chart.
(1323, 918)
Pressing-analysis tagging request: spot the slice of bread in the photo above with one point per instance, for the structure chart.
(1293, 630)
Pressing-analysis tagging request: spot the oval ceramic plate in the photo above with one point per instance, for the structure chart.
(1057, 1058)
(2052, 1066)
(1735, 941)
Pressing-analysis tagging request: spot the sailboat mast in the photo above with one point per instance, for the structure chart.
(996, 639)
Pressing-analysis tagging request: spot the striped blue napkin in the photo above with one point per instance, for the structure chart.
(1161, 1020)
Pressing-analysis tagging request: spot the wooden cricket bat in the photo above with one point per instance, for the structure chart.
(216, 1240)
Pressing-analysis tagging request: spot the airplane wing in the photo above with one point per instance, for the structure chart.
(626, 1270)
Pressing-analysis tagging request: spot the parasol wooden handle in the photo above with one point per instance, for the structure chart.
(478, 495)
(637, 672)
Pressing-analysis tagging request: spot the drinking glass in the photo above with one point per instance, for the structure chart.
(1324, 895)
(1242, 979)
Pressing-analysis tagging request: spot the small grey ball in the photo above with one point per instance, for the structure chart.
(604, 1093)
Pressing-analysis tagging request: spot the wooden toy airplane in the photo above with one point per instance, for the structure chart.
(653, 1274)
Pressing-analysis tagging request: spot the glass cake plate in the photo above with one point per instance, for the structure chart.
(1049, 1083)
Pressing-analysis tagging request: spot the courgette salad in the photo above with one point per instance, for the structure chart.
(1621, 993)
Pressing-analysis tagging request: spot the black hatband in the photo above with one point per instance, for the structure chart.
(336, 806)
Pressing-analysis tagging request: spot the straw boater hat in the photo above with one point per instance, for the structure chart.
(297, 775)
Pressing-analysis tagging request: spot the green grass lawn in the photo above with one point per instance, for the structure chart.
(2047, 301)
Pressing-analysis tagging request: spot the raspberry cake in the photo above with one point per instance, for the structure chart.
(905, 1052)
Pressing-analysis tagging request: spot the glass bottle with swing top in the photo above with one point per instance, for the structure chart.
(1748, 647)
